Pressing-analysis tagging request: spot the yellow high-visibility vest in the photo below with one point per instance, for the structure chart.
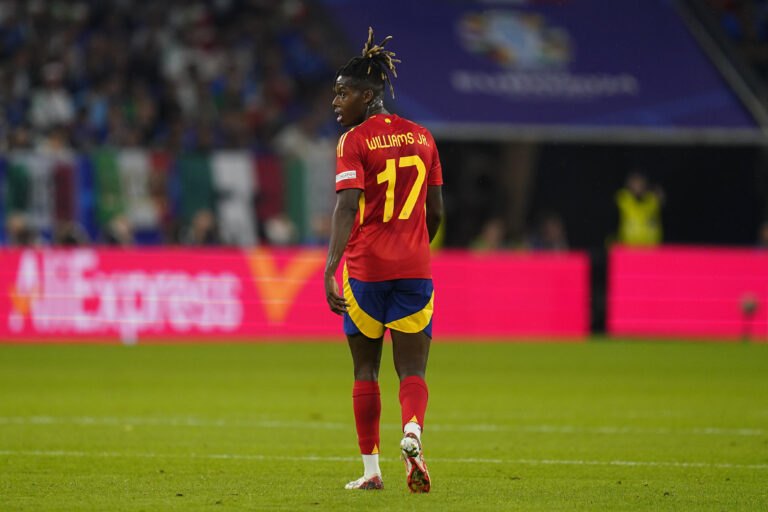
(639, 219)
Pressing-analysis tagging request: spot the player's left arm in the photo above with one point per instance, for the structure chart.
(434, 203)
(434, 209)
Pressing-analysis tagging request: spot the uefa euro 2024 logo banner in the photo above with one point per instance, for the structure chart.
(513, 39)
(536, 60)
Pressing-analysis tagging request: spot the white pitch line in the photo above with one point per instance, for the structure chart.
(722, 465)
(325, 425)
(318, 458)
(170, 421)
(566, 429)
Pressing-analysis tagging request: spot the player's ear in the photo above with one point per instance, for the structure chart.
(367, 96)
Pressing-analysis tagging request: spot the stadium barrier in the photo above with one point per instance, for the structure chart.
(688, 292)
(173, 294)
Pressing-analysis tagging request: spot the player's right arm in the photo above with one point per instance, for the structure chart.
(350, 182)
(344, 215)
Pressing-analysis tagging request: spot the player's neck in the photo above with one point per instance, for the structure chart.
(376, 106)
(373, 112)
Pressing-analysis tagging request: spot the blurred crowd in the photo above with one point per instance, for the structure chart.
(222, 73)
(745, 22)
(184, 76)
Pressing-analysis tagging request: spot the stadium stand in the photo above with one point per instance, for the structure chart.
(116, 114)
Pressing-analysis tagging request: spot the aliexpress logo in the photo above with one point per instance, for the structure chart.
(278, 288)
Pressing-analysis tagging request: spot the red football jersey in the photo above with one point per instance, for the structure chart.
(392, 160)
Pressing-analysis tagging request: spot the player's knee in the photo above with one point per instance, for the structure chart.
(366, 371)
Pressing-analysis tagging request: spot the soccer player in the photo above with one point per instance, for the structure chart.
(388, 208)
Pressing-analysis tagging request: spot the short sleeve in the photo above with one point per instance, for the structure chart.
(349, 165)
(435, 176)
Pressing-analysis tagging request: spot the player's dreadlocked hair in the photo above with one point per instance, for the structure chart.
(373, 66)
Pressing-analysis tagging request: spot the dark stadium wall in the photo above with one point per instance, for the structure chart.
(714, 195)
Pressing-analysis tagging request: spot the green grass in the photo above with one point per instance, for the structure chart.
(604, 425)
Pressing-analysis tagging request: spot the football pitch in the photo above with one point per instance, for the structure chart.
(602, 425)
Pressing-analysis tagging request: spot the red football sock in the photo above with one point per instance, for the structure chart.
(413, 399)
(366, 400)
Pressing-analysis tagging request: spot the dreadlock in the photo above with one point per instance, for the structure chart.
(373, 66)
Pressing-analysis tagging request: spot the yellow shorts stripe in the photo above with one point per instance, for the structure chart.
(417, 321)
(368, 325)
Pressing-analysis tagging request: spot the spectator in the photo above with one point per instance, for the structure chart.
(70, 234)
(639, 212)
(491, 236)
(549, 234)
(119, 231)
(20, 232)
(201, 230)
(52, 104)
